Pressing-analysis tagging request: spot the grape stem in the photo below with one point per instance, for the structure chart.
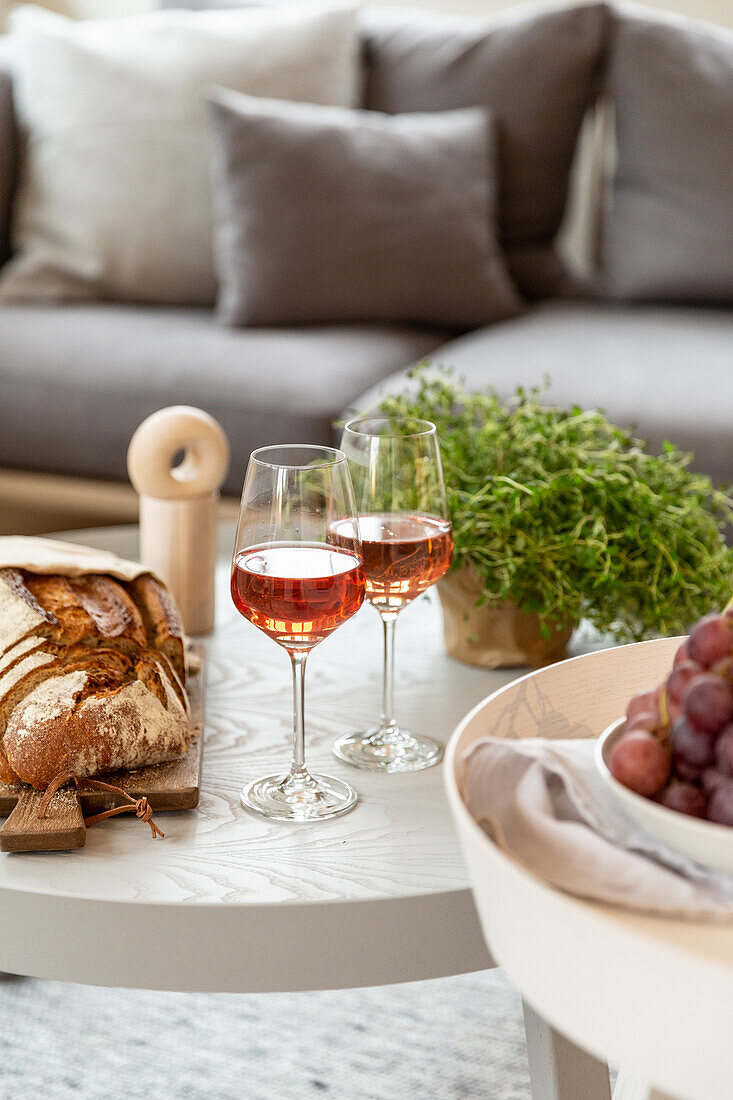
(663, 709)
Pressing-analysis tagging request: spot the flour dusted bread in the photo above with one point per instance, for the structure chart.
(92, 673)
(95, 718)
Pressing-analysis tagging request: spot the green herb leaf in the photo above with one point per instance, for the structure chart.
(568, 515)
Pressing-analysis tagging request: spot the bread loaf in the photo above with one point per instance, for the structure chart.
(92, 675)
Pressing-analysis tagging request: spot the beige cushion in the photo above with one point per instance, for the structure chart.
(113, 199)
(668, 227)
(325, 214)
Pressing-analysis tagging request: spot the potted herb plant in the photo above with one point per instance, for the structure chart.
(559, 515)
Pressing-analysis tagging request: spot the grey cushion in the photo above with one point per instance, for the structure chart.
(324, 214)
(668, 232)
(76, 381)
(535, 69)
(7, 148)
(665, 369)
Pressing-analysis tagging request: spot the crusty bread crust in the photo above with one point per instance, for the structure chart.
(52, 731)
(20, 613)
(92, 676)
(161, 618)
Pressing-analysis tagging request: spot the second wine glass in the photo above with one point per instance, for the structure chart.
(406, 545)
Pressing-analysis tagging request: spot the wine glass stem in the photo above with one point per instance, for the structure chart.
(297, 660)
(388, 724)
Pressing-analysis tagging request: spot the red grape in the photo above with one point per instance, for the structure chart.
(647, 720)
(724, 749)
(689, 772)
(724, 668)
(684, 728)
(647, 704)
(692, 745)
(720, 806)
(674, 711)
(685, 798)
(640, 762)
(709, 702)
(712, 779)
(710, 640)
(679, 680)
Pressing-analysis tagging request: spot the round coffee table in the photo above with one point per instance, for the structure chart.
(229, 902)
(233, 903)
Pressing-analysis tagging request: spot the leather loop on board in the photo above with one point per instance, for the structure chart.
(140, 806)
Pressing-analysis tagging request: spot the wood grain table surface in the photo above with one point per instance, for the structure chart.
(234, 903)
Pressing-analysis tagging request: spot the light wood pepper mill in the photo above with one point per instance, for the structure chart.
(178, 504)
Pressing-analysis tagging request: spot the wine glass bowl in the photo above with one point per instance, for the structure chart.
(406, 547)
(297, 595)
(297, 582)
(404, 555)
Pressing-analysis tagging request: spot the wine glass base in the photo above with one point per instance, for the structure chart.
(396, 751)
(298, 798)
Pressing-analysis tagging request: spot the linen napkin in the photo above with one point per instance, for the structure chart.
(544, 803)
(41, 555)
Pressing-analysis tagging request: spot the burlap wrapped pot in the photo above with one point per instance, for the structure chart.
(497, 636)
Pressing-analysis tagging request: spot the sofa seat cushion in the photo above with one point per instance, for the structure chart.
(666, 370)
(75, 381)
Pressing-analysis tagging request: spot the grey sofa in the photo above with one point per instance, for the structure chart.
(76, 379)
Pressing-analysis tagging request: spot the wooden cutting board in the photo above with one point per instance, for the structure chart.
(172, 786)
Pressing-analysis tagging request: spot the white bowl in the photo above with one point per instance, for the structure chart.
(705, 841)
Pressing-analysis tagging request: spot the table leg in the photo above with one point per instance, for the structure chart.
(558, 1069)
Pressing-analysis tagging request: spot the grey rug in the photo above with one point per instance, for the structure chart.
(439, 1040)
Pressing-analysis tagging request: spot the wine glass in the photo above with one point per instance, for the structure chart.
(297, 582)
(406, 546)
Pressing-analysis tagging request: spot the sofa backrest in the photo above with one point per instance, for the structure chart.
(537, 68)
(7, 149)
(667, 228)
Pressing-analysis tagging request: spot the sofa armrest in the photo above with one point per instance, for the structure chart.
(8, 148)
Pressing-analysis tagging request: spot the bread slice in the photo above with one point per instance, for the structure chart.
(12, 681)
(20, 613)
(18, 651)
(17, 681)
(162, 620)
(171, 675)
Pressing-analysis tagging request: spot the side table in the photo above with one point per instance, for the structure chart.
(651, 993)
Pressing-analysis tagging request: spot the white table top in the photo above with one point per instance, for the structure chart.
(378, 895)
